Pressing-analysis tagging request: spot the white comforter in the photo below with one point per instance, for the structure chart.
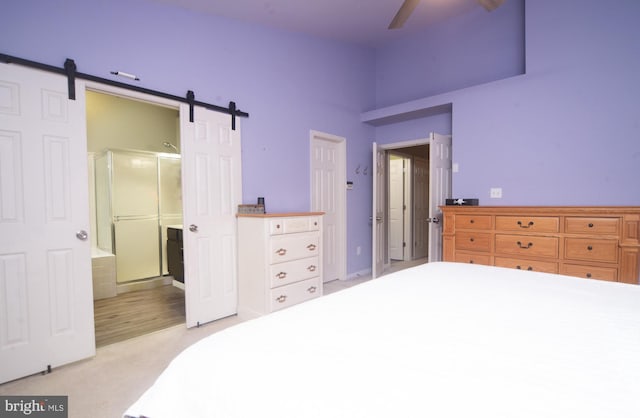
(439, 340)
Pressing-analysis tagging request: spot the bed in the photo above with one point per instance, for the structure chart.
(438, 340)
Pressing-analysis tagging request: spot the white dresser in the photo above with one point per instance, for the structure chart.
(279, 261)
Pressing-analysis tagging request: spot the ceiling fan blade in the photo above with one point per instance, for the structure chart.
(490, 5)
(403, 14)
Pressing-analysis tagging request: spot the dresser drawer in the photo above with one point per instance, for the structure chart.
(530, 265)
(285, 296)
(293, 271)
(590, 272)
(591, 249)
(526, 245)
(587, 225)
(294, 224)
(473, 222)
(472, 258)
(293, 246)
(473, 241)
(528, 223)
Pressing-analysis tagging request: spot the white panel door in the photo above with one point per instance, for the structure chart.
(328, 196)
(212, 183)
(46, 298)
(377, 215)
(396, 208)
(421, 207)
(439, 189)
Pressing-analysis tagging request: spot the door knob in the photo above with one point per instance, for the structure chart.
(433, 220)
(193, 228)
(82, 235)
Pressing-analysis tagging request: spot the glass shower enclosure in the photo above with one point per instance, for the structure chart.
(138, 194)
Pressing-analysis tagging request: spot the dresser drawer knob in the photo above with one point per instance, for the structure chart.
(281, 298)
(281, 251)
(525, 247)
(471, 239)
(590, 225)
(521, 225)
(472, 221)
(588, 275)
(281, 275)
(311, 247)
(311, 268)
(312, 289)
(590, 247)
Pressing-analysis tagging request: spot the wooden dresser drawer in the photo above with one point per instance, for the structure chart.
(587, 225)
(293, 271)
(472, 258)
(525, 245)
(591, 249)
(590, 272)
(528, 223)
(473, 222)
(293, 246)
(530, 265)
(285, 296)
(473, 241)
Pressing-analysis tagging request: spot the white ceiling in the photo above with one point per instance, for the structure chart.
(358, 21)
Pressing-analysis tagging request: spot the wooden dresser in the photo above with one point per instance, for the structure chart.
(279, 261)
(591, 242)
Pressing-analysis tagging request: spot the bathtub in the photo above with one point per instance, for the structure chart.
(103, 266)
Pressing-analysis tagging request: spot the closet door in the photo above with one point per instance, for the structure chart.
(212, 184)
(46, 301)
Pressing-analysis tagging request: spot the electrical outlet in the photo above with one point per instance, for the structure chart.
(495, 192)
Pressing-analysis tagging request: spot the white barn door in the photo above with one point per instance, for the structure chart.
(212, 179)
(46, 298)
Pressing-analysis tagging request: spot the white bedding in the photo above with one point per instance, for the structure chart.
(438, 340)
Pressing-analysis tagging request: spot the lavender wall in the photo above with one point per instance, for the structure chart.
(471, 49)
(289, 83)
(566, 133)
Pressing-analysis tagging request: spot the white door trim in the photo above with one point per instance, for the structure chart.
(341, 197)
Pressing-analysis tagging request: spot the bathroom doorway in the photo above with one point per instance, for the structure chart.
(136, 199)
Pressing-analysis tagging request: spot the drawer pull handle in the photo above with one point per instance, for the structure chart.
(525, 247)
(281, 275)
(472, 221)
(312, 289)
(588, 275)
(471, 239)
(590, 248)
(311, 268)
(281, 251)
(281, 298)
(590, 225)
(528, 268)
(311, 247)
(529, 225)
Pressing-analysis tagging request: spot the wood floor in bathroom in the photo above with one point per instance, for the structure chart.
(137, 313)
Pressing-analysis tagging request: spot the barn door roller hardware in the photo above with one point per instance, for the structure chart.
(69, 70)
